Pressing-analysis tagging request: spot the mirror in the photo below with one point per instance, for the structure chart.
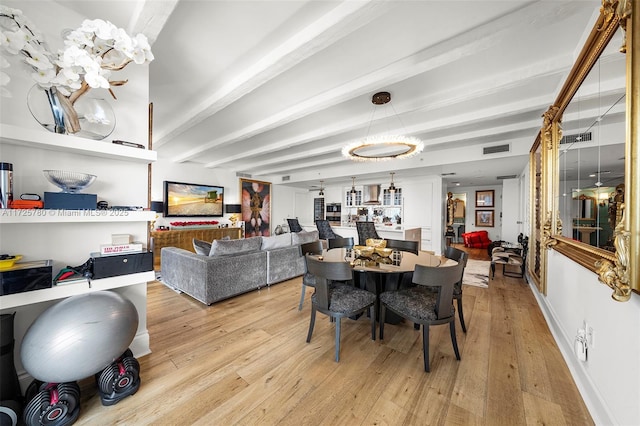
(584, 170)
(591, 150)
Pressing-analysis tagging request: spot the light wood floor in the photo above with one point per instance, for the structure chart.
(245, 361)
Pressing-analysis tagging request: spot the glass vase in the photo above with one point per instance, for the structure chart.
(95, 116)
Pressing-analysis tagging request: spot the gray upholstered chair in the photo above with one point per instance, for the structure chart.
(338, 300)
(341, 242)
(309, 280)
(294, 225)
(422, 305)
(325, 231)
(461, 257)
(366, 230)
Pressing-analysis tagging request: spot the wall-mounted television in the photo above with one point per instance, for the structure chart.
(192, 200)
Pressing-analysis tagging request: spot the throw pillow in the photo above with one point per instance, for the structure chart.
(304, 237)
(247, 245)
(201, 247)
(276, 241)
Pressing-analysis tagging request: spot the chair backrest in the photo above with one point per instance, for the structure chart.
(442, 278)
(457, 255)
(342, 242)
(324, 229)
(294, 225)
(314, 247)
(325, 272)
(366, 230)
(461, 257)
(403, 245)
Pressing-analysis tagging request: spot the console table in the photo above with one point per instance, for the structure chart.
(183, 239)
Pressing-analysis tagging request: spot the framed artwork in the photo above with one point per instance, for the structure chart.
(255, 204)
(485, 198)
(484, 218)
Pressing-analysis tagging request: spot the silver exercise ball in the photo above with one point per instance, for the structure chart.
(79, 337)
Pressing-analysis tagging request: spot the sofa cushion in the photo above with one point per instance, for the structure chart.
(304, 237)
(201, 247)
(276, 241)
(247, 245)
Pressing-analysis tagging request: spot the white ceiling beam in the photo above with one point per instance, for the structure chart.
(340, 21)
(150, 16)
(467, 44)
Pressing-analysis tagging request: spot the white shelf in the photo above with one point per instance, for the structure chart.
(61, 292)
(42, 139)
(73, 216)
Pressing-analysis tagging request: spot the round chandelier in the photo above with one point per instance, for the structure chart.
(383, 147)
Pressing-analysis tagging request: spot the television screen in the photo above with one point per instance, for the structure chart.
(190, 199)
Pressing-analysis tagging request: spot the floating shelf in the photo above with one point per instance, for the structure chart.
(10, 301)
(75, 216)
(42, 139)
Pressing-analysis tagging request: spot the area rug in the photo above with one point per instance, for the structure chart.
(476, 273)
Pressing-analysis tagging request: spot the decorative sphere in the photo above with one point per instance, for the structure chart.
(79, 337)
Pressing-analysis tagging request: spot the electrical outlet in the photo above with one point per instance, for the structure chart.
(591, 341)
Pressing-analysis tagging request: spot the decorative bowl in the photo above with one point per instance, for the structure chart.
(7, 262)
(70, 182)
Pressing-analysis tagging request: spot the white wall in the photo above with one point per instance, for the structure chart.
(510, 204)
(609, 380)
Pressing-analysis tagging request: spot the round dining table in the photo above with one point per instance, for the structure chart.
(380, 277)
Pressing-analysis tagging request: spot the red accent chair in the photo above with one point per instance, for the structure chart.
(476, 239)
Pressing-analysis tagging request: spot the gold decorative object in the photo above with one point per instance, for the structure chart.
(376, 242)
(616, 275)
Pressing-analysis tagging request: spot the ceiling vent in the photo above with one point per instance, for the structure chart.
(243, 175)
(506, 177)
(448, 174)
(286, 178)
(495, 149)
(577, 137)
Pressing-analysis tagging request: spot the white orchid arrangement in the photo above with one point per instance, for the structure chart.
(91, 53)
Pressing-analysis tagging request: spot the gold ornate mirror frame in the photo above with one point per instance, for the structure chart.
(619, 270)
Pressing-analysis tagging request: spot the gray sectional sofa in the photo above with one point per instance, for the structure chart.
(234, 267)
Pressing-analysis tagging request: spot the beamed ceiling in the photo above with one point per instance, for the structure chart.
(275, 89)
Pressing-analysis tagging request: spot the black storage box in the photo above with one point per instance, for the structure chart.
(105, 266)
(26, 276)
(68, 201)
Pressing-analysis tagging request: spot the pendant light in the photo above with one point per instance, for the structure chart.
(392, 187)
(321, 193)
(353, 191)
(383, 146)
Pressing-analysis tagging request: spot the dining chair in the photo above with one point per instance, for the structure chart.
(309, 280)
(422, 306)
(325, 232)
(461, 257)
(366, 230)
(338, 300)
(294, 225)
(403, 245)
(341, 242)
(404, 278)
